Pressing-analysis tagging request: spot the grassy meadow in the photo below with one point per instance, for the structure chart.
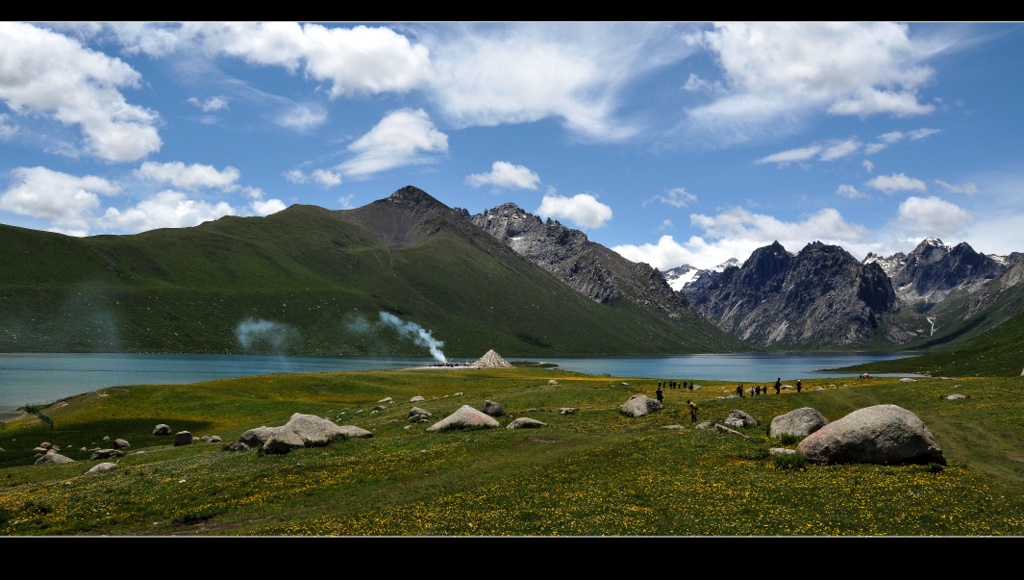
(592, 473)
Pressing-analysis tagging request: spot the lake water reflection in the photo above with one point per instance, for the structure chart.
(27, 379)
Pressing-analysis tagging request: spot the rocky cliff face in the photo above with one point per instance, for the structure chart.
(933, 270)
(822, 296)
(586, 266)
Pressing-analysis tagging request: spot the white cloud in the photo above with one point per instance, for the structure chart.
(968, 189)
(896, 182)
(6, 129)
(66, 201)
(922, 133)
(217, 103)
(505, 175)
(295, 176)
(676, 197)
(167, 209)
(195, 176)
(839, 150)
(302, 117)
(868, 166)
(851, 192)
(402, 137)
(489, 75)
(326, 178)
(791, 155)
(345, 201)
(582, 209)
(260, 205)
(892, 137)
(48, 74)
(778, 72)
(931, 216)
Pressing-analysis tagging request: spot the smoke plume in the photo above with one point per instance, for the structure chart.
(416, 333)
(270, 335)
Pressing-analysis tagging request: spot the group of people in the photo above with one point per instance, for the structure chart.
(674, 385)
(763, 390)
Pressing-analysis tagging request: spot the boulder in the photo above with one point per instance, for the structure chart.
(122, 444)
(493, 409)
(182, 438)
(799, 423)
(567, 410)
(419, 415)
(106, 454)
(53, 458)
(882, 434)
(236, 446)
(465, 417)
(955, 397)
(211, 438)
(417, 399)
(162, 429)
(255, 438)
(781, 451)
(525, 423)
(552, 383)
(907, 380)
(307, 431)
(738, 419)
(640, 406)
(106, 466)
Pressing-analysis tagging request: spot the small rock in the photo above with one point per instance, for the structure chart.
(162, 429)
(182, 438)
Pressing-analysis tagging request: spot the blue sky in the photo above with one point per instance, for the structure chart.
(670, 142)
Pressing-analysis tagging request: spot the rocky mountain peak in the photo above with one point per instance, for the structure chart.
(410, 196)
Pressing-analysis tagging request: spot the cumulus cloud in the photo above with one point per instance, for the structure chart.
(345, 201)
(48, 74)
(167, 209)
(931, 216)
(968, 188)
(736, 232)
(868, 166)
(840, 150)
(582, 209)
(777, 72)
(505, 175)
(896, 182)
(676, 197)
(260, 205)
(851, 192)
(326, 178)
(402, 137)
(192, 177)
(211, 104)
(66, 201)
(301, 117)
(7, 130)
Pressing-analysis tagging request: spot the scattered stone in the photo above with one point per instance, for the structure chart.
(236, 446)
(955, 396)
(493, 409)
(625, 384)
(162, 429)
(567, 410)
(106, 454)
(781, 451)
(256, 437)
(738, 419)
(882, 434)
(465, 417)
(723, 429)
(552, 383)
(907, 380)
(106, 437)
(525, 423)
(45, 445)
(695, 388)
(122, 444)
(419, 415)
(302, 431)
(386, 400)
(417, 399)
(671, 426)
(799, 423)
(211, 438)
(380, 408)
(53, 458)
(458, 394)
(182, 438)
(704, 425)
(105, 466)
(640, 406)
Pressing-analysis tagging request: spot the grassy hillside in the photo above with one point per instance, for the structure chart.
(595, 472)
(307, 281)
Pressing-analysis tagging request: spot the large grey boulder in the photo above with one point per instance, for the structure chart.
(882, 434)
(525, 423)
(465, 418)
(106, 454)
(493, 409)
(182, 438)
(106, 466)
(738, 419)
(122, 444)
(640, 406)
(799, 423)
(162, 429)
(255, 438)
(308, 431)
(53, 458)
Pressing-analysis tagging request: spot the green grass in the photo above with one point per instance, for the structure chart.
(595, 472)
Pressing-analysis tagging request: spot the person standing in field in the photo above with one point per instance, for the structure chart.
(693, 410)
(658, 393)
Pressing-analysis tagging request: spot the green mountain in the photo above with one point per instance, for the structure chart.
(397, 276)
